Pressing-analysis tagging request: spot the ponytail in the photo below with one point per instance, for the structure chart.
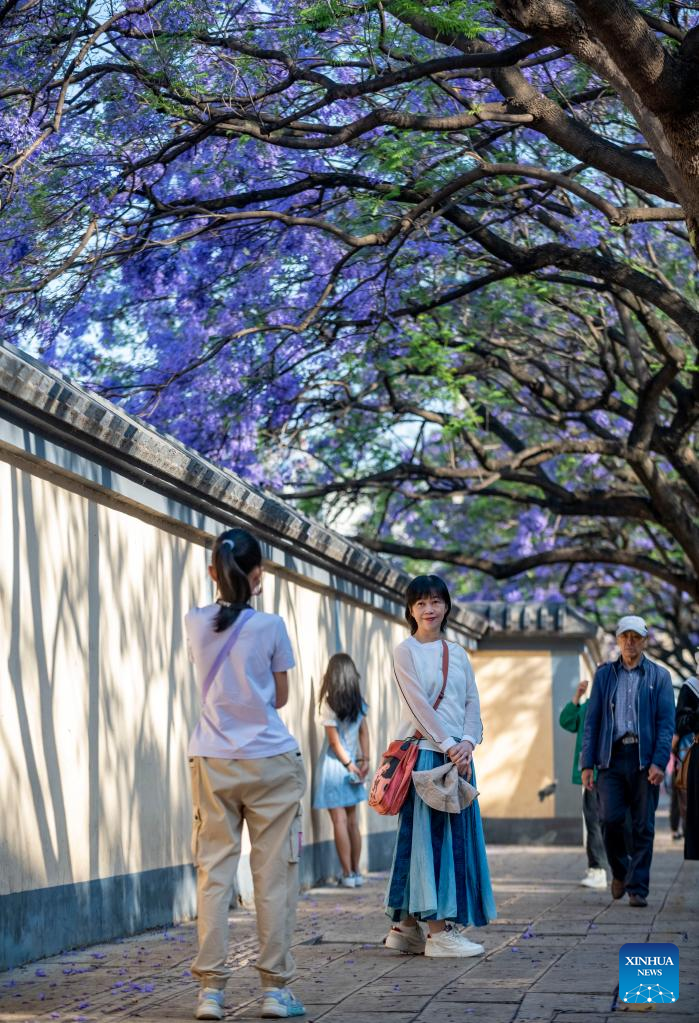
(236, 552)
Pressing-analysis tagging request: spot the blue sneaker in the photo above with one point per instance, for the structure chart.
(210, 1004)
(279, 1003)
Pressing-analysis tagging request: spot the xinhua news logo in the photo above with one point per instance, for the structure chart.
(649, 973)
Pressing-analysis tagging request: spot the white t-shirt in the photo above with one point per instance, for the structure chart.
(238, 718)
(418, 670)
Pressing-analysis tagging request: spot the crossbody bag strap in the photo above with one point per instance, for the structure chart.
(244, 616)
(445, 672)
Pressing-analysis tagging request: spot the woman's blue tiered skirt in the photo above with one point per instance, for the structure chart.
(440, 870)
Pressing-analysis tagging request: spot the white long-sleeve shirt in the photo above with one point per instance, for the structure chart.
(418, 672)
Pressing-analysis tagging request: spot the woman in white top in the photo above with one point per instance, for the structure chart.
(245, 767)
(440, 872)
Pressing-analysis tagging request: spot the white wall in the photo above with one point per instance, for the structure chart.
(98, 698)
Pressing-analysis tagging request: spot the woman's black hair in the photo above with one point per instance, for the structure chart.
(236, 552)
(340, 688)
(426, 586)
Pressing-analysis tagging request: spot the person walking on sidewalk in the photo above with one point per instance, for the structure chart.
(245, 766)
(627, 737)
(572, 718)
(344, 762)
(687, 724)
(440, 872)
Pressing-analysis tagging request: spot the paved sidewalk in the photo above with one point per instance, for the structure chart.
(551, 956)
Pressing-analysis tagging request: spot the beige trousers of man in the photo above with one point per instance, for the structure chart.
(266, 794)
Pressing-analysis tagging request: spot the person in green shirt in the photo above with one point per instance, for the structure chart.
(572, 718)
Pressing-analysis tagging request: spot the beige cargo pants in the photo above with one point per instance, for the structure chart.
(265, 793)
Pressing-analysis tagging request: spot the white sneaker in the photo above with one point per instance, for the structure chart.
(347, 881)
(596, 877)
(406, 939)
(280, 1003)
(358, 880)
(210, 1004)
(450, 944)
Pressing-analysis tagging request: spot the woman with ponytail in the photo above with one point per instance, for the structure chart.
(246, 766)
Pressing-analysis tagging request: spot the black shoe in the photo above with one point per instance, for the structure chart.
(618, 888)
(637, 900)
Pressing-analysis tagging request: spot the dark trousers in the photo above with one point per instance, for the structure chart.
(691, 834)
(624, 786)
(594, 842)
(678, 809)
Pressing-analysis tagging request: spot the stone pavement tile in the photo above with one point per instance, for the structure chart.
(610, 946)
(577, 928)
(684, 933)
(404, 985)
(340, 1014)
(548, 941)
(537, 1007)
(682, 939)
(503, 992)
(581, 1017)
(523, 952)
(355, 932)
(637, 922)
(678, 1013)
(620, 912)
(455, 1012)
(438, 971)
(585, 915)
(182, 1013)
(687, 1003)
(509, 968)
(362, 1002)
(499, 930)
(337, 984)
(530, 908)
(579, 982)
(660, 1015)
(588, 952)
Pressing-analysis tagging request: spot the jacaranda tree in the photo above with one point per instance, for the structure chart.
(433, 263)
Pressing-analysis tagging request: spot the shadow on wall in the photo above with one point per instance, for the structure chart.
(98, 705)
(320, 625)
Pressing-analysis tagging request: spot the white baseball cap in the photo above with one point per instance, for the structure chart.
(632, 623)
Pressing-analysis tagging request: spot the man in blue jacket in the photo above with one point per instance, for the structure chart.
(628, 734)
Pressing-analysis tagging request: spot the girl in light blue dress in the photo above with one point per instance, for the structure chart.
(344, 761)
